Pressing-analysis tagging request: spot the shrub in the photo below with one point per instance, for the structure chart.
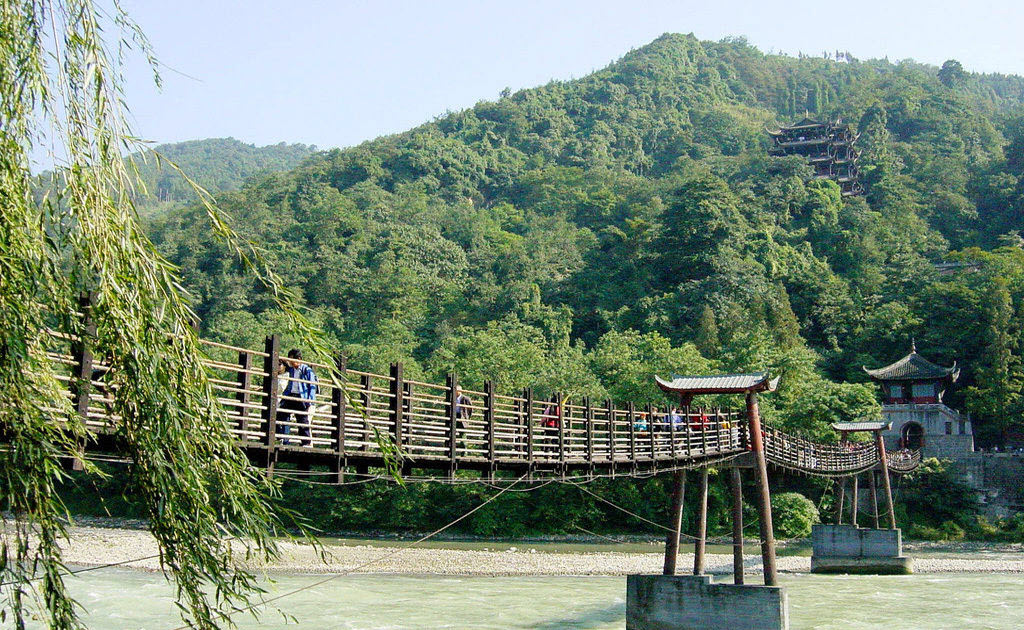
(793, 514)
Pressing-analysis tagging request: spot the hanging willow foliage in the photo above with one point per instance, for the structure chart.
(60, 80)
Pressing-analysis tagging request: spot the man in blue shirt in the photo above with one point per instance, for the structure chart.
(299, 395)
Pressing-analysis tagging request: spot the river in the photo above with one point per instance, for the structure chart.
(118, 599)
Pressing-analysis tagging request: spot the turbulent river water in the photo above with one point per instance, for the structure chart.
(122, 600)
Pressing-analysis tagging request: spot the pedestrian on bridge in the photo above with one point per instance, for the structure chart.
(299, 395)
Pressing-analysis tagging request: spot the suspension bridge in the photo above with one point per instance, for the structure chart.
(362, 420)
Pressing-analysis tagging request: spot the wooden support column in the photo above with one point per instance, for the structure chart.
(771, 575)
(854, 500)
(840, 500)
(737, 525)
(272, 348)
(339, 405)
(883, 461)
(675, 523)
(702, 523)
(81, 384)
(874, 499)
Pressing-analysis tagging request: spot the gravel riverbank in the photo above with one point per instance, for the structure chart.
(91, 546)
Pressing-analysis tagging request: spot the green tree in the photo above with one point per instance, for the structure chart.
(197, 489)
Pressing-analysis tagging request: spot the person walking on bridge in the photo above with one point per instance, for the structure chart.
(300, 394)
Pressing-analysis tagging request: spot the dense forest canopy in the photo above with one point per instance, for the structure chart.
(586, 234)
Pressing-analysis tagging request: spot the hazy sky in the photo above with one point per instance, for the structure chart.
(337, 73)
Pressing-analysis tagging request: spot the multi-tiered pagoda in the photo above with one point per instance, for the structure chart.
(828, 146)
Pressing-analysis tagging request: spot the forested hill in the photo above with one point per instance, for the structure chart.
(216, 164)
(586, 234)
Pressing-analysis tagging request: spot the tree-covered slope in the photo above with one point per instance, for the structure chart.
(585, 234)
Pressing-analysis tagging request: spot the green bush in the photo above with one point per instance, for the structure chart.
(793, 514)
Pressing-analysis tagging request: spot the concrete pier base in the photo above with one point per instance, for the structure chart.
(692, 602)
(849, 549)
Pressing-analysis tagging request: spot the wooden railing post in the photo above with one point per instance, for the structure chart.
(610, 410)
(365, 397)
(562, 420)
(650, 429)
(588, 413)
(452, 384)
(672, 434)
(81, 384)
(489, 420)
(631, 419)
(272, 348)
(528, 395)
(397, 391)
(244, 397)
(339, 403)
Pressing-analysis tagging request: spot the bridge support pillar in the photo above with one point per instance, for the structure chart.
(737, 525)
(849, 549)
(764, 504)
(693, 602)
(675, 522)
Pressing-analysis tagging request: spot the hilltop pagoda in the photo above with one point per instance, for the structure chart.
(827, 146)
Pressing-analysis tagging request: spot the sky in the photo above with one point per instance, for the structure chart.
(335, 74)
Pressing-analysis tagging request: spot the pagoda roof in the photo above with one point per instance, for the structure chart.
(861, 426)
(719, 384)
(914, 367)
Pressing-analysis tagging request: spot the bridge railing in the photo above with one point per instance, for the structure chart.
(797, 453)
(350, 420)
